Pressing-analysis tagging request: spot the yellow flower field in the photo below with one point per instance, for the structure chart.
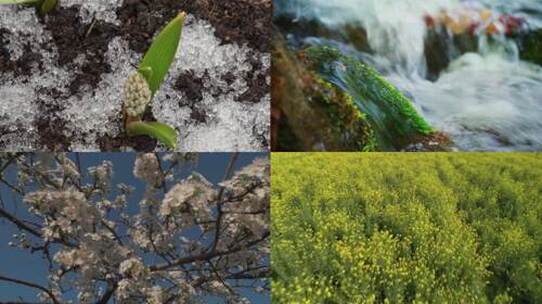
(406, 228)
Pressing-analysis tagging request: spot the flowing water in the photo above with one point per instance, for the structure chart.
(488, 100)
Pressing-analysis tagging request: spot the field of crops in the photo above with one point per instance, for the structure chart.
(407, 228)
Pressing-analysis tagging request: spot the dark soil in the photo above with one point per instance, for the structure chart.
(51, 131)
(240, 21)
(257, 85)
(192, 86)
(138, 143)
(23, 65)
(73, 39)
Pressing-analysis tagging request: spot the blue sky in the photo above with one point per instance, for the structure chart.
(21, 264)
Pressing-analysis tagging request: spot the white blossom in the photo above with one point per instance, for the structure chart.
(148, 169)
(102, 174)
(96, 240)
(155, 295)
(66, 212)
(69, 168)
(190, 196)
(132, 267)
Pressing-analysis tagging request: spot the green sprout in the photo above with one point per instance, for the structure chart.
(143, 84)
(43, 6)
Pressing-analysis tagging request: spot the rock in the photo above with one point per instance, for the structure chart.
(390, 113)
(531, 46)
(309, 113)
(453, 34)
(349, 33)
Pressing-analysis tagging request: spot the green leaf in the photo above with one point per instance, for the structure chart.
(146, 72)
(160, 55)
(47, 6)
(35, 2)
(43, 6)
(162, 132)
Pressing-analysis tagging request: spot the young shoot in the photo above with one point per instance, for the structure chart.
(42, 6)
(143, 84)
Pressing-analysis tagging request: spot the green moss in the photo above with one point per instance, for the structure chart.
(389, 112)
(345, 116)
(310, 113)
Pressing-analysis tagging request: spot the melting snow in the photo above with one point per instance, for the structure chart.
(229, 126)
(96, 9)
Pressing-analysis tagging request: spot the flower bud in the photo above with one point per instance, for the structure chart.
(137, 95)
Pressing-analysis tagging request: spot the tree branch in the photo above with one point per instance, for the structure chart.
(31, 285)
(227, 175)
(9, 185)
(20, 224)
(23, 226)
(207, 256)
(108, 294)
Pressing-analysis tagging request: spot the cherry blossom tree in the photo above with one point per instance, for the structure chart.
(189, 240)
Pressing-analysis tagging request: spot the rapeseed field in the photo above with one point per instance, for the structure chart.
(406, 228)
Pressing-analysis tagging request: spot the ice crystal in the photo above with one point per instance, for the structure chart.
(229, 123)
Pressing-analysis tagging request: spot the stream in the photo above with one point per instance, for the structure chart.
(486, 99)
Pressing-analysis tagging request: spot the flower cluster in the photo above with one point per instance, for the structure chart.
(186, 242)
(147, 168)
(247, 198)
(66, 213)
(351, 228)
(137, 95)
(190, 197)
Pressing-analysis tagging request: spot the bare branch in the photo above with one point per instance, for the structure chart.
(208, 255)
(20, 224)
(31, 285)
(108, 294)
(227, 175)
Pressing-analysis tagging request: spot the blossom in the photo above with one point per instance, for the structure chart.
(62, 210)
(102, 175)
(191, 195)
(132, 267)
(219, 287)
(123, 289)
(96, 242)
(69, 168)
(148, 169)
(155, 295)
(248, 178)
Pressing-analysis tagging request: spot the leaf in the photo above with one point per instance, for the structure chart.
(43, 6)
(160, 55)
(162, 132)
(47, 6)
(146, 72)
(19, 2)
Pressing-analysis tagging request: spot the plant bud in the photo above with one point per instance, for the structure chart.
(137, 95)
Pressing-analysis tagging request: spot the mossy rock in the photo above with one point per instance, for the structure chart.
(313, 114)
(348, 122)
(391, 115)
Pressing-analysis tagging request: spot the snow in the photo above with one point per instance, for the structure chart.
(229, 126)
(97, 9)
